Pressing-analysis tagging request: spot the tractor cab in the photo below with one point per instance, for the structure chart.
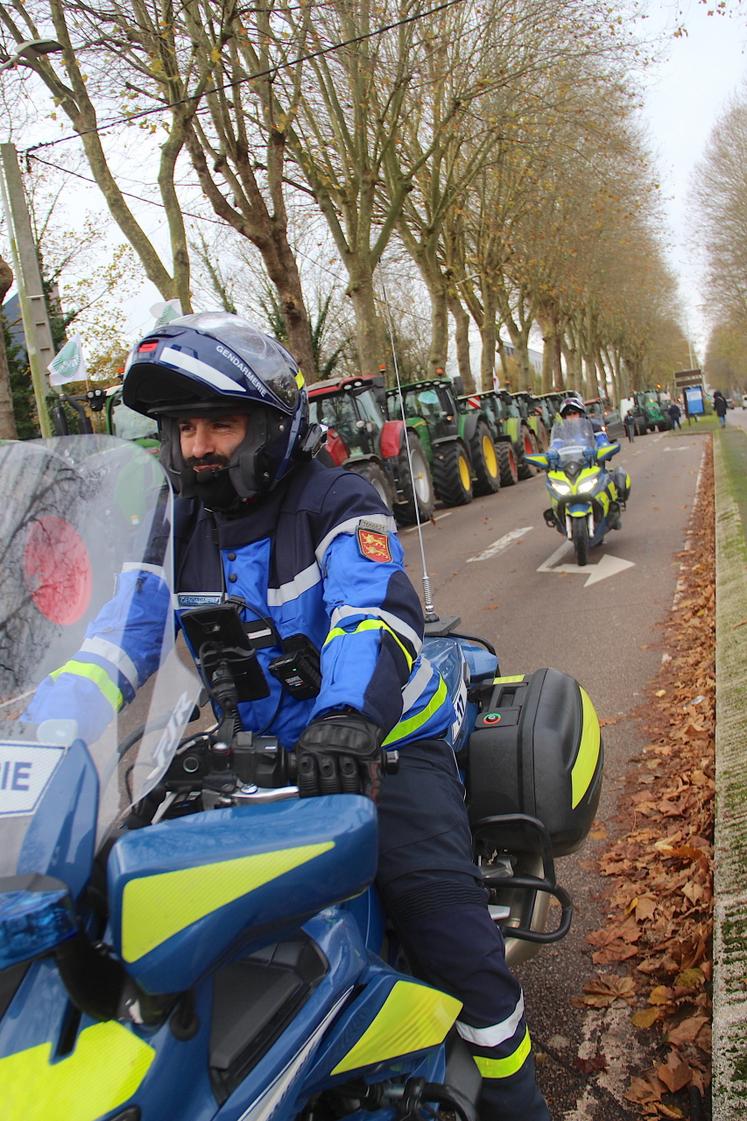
(361, 438)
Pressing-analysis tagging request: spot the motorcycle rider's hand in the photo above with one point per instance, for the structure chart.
(340, 754)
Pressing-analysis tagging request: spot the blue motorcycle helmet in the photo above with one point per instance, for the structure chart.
(213, 363)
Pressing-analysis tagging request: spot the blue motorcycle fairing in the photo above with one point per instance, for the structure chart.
(293, 1068)
(60, 839)
(579, 509)
(461, 662)
(182, 892)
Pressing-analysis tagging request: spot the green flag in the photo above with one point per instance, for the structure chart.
(69, 364)
(164, 313)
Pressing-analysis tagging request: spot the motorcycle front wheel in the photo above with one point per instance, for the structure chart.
(580, 531)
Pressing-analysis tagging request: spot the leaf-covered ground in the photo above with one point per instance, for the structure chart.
(654, 950)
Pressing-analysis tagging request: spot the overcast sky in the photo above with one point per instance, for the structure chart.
(687, 93)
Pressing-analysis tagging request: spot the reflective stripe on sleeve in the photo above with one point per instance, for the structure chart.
(116, 655)
(411, 724)
(135, 566)
(391, 620)
(379, 522)
(301, 583)
(494, 1034)
(97, 676)
(504, 1068)
(417, 685)
(372, 625)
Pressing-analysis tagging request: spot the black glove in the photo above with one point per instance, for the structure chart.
(340, 754)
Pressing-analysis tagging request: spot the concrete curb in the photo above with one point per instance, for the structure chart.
(730, 842)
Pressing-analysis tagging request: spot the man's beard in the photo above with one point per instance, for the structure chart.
(214, 487)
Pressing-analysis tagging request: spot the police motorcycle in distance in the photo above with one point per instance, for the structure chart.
(585, 496)
(180, 934)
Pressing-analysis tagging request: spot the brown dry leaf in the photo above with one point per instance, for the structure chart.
(687, 1031)
(645, 907)
(603, 990)
(646, 1017)
(644, 1090)
(660, 995)
(660, 693)
(669, 1111)
(592, 1065)
(614, 953)
(674, 1073)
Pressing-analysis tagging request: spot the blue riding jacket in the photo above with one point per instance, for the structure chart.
(318, 557)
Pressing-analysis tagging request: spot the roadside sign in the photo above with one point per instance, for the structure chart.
(694, 404)
(683, 378)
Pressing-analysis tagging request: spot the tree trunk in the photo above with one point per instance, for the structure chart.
(8, 429)
(369, 330)
(461, 331)
(487, 338)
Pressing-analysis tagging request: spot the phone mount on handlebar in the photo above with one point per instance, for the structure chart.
(224, 653)
(226, 659)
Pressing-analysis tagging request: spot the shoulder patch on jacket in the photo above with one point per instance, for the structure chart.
(373, 543)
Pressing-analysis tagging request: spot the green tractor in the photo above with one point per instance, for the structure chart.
(127, 424)
(362, 439)
(459, 443)
(494, 412)
(536, 415)
(516, 426)
(649, 412)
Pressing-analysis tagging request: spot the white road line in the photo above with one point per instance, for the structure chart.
(501, 544)
(436, 518)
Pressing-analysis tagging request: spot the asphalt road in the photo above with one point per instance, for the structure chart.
(511, 579)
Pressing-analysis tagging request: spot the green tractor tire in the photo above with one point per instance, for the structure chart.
(485, 466)
(416, 488)
(509, 468)
(452, 476)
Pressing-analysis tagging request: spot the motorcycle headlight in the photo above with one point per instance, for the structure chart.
(560, 488)
(587, 485)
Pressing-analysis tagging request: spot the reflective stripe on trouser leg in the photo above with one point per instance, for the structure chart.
(457, 947)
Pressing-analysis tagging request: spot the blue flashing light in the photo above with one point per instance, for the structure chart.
(32, 923)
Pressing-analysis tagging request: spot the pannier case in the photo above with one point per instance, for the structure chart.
(537, 750)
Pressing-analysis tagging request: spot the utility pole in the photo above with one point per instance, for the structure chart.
(36, 328)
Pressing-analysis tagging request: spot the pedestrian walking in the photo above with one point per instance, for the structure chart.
(675, 412)
(720, 406)
(629, 422)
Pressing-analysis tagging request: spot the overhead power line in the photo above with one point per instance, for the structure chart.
(128, 118)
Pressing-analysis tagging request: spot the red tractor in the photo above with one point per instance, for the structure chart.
(385, 452)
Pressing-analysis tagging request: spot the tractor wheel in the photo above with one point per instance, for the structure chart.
(484, 460)
(529, 447)
(580, 533)
(509, 466)
(452, 477)
(543, 436)
(419, 497)
(378, 479)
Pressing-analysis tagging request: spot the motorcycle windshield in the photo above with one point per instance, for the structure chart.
(571, 436)
(89, 668)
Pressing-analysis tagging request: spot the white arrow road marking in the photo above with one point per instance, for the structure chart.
(501, 544)
(606, 566)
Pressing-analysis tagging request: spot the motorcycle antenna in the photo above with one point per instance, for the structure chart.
(431, 616)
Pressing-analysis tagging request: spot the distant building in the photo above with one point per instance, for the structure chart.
(535, 356)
